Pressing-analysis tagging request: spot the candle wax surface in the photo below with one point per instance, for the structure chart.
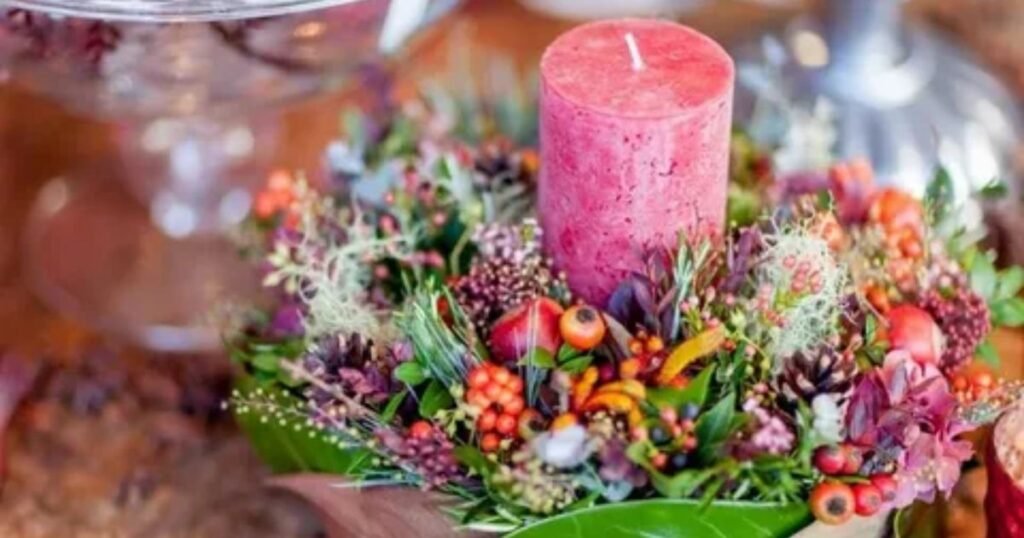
(630, 158)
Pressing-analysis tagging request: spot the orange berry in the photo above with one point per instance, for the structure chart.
(629, 368)
(420, 429)
(982, 379)
(492, 391)
(636, 347)
(679, 382)
(476, 398)
(478, 378)
(506, 424)
(501, 376)
(490, 442)
(878, 299)
(279, 180)
(564, 421)
(582, 327)
(515, 384)
(654, 344)
(960, 383)
(265, 206)
(487, 420)
(659, 460)
(504, 397)
(515, 406)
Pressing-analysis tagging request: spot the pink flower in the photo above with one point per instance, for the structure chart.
(904, 412)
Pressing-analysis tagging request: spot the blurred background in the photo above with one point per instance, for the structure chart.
(122, 433)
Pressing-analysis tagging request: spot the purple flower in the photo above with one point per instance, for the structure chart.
(287, 321)
(908, 408)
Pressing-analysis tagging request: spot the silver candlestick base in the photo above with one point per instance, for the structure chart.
(899, 95)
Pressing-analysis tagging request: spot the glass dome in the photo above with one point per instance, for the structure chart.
(176, 10)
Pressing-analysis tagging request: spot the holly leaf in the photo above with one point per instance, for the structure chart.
(410, 373)
(434, 399)
(713, 429)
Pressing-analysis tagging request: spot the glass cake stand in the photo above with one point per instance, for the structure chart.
(899, 94)
(137, 245)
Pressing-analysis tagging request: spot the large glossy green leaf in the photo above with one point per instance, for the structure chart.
(674, 519)
(286, 450)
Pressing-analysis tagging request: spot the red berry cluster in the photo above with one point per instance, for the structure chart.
(498, 394)
(834, 501)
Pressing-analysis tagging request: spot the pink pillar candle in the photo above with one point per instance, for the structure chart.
(635, 117)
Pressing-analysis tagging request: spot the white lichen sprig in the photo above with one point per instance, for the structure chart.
(809, 306)
(330, 271)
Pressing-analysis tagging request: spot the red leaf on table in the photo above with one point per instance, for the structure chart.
(372, 512)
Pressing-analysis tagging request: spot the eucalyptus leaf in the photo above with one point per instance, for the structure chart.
(665, 518)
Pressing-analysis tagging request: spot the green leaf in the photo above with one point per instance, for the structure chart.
(471, 457)
(392, 408)
(988, 354)
(538, 358)
(434, 399)
(713, 428)
(993, 190)
(1011, 281)
(938, 197)
(577, 365)
(1008, 312)
(266, 362)
(983, 276)
(566, 353)
(410, 373)
(285, 450)
(663, 518)
(696, 392)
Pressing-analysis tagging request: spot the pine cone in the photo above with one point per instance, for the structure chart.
(824, 371)
(353, 364)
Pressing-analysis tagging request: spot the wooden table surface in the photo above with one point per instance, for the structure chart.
(38, 140)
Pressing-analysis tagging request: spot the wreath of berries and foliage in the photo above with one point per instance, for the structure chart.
(817, 355)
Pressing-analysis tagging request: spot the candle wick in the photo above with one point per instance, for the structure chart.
(634, 52)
